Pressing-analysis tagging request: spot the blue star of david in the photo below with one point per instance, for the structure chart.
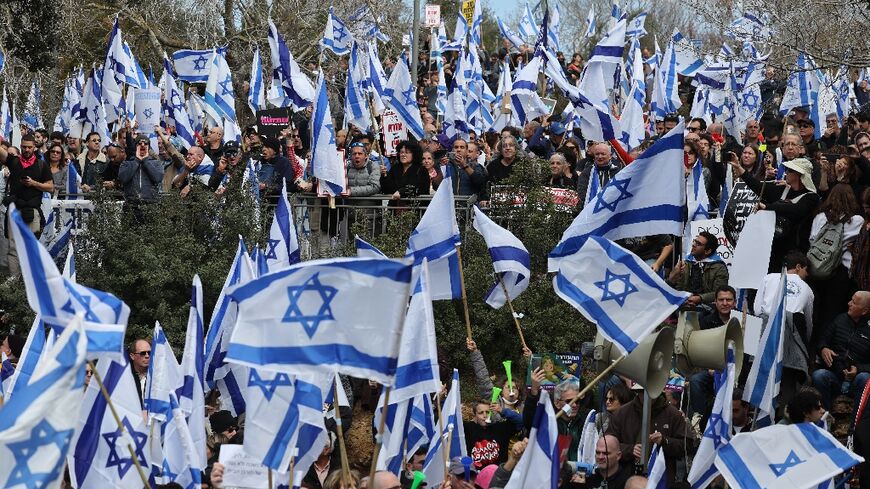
(331, 132)
(621, 186)
(269, 386)
(66, 105)
(148, 113)
(115, 452)
(790, 461)
(199, 63)
(409, 96)
(167, 473)
(700, 211)
(175, 101)
(310, 322)
(43, 435)
(272, 251)
(338, 33)
(226, 86)
(750, 100)
(609, 294)
(84, 300)
(717, 429)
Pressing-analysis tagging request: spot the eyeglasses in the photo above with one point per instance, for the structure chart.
(696, 242)
(609, 399)
(693, 129)
(56, 152)
(145, 353)
(142, 143)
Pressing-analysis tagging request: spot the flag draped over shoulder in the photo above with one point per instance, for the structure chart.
(616, 290)
(323, 315)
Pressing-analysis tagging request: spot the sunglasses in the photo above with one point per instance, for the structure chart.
(55, 152)
(609, 399)
(142, 143)
(146, 353)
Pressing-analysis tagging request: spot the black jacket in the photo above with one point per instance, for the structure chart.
(850, 340)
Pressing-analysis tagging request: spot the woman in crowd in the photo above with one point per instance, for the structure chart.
(503, 164)
(832, 293)
(58, 163)
(433, 170)
(408, 178)
(805, 407)
(561, 175)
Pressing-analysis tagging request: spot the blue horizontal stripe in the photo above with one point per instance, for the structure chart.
(660, 213)
(312, 355)
(413, 373)
(629, 260)
(608, 51)
(374, 267)
(98, 341)
(524, 84)
(436, 251)
(741, 473)
(591, 306)
(823, 444)
(510, 253)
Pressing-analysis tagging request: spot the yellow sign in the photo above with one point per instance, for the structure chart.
(468, 11)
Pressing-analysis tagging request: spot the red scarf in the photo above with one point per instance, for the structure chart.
(27, 162)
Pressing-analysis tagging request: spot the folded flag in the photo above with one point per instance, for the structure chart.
(616, 290)
(784, 457)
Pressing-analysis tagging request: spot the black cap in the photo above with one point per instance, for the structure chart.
(231, 148)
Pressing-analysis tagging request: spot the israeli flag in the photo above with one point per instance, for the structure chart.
(718, 431)
(749, 27)
(118, 68)
(294, 88)
(527, 104)
(636, 28)
(590, 23)
(55, 241)
(34, 433)
(343, 314)
(356, 107)
(180, 464)
(73, 181)
(697, 200)
(191, 397)
(32, 117)
(175, 108)
(223, 318)
(401, 96)
(803, 85)
(326, 164)
(553, 30)
(505, 82)
(91, 110)
(283, 246)
(460, 32)
(192, 66)
(784, 456)
(272, 419)
(5, 118)
(451, 430)
(219, 93)
(665, 97)
(164, 377)
(30, 355)
(596, 122)
(313, 391)
(377, 78)
(410, 421)
(509, 34)
(528, 26)
(336, 36)
(364, 249)
(57, 300)
(762, 385)
(101, 449)
(616, 290)
(454, 124)
(632, 122)
(657, 470)
(195, 106)
(435, 238)
(611, 47)
(6, 372)
(441, 88)
(539, 464)
(64, 119)
(256, 92)
(510, 258)
(644, 198)
(2, 60)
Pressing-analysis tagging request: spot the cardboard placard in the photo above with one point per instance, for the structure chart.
(271, 122)
(752, 255)
(433, 15)
(468, 10)
(394, 132)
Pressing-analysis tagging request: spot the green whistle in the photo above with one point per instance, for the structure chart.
(418, 478)
(507, 371)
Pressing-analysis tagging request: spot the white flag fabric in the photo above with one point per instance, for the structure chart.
(30, 355)
(762, 385)
(272, 418)
(256, 89)
(527, 104)
(193, 65)
(611, 47)
(799, 455)
(646, 197)
(57, 299)
(323, 315)
(282, 249)
(400, 95)
(718, 431)
(220, 98)
(326, 164)
(356, 107)
(164, 376)
(180, 459)
(435, 238)
(176, 108)
(34, 433)
(190, 391)
(336, 36)
(367, 250)
(539, 464)
(658, 474)
(616, 290)
(510, 258)
(100, 455)
(291, 86)
(451, 423)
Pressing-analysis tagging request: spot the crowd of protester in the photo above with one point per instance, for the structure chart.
(823, 192)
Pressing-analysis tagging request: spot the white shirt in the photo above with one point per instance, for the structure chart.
(799, 297)
(851, 229)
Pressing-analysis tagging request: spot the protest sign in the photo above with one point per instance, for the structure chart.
(147, 103)
(741, 203)
(242, 471)
(752, 255)
(751, 332)
(557, 367)
(271, 122)
(468, 10)
(715, 227)
(394, 132)
(433, 15)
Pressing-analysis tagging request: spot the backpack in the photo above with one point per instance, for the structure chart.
(826, 251)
